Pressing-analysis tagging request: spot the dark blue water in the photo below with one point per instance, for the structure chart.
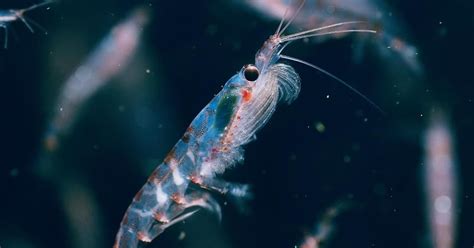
(191, 49)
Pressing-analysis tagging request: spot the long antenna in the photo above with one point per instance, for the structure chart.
(37, 5)
(277, 32)
(284, 39)
(293, 17)
(321, 28)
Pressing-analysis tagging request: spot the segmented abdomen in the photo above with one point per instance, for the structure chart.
(165, 198)
(159, 201)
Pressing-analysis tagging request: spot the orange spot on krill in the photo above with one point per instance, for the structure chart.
(160, 218)
(246, 95)
(177, 198)
(195, 179)
(171, 155)
(143, 237)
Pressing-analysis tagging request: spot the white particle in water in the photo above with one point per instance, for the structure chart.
(181, 236)
(320, 127)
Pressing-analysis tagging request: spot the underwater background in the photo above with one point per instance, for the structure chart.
(327, 146)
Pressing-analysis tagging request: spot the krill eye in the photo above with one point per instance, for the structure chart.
(251, 73)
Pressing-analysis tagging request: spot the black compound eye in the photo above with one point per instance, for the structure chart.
(251, 72)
